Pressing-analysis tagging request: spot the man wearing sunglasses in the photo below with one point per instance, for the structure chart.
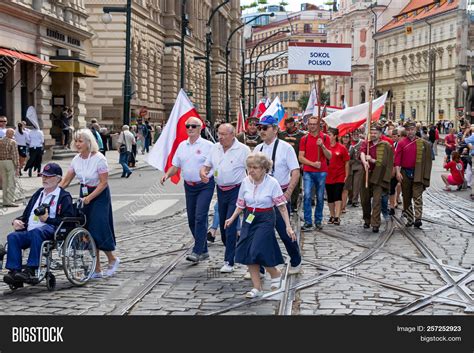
(227, 162)
(190, 157)
(286, 169)
(250, 137)
(3, 126)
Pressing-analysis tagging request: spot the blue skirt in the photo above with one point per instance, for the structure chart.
(257, 244)
(100, 222)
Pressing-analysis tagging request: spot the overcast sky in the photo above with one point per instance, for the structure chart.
(293, 5)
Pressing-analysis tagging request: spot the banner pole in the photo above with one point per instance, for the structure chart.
(369, 122)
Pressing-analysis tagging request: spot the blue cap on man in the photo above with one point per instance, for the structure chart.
(268, 120)
(52, 169)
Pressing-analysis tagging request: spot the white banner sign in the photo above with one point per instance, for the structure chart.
(319, 58)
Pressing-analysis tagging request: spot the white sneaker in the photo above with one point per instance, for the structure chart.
(227, 268)
(294, 270)
(112, 268)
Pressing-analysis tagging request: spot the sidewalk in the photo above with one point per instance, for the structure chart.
(28, 186)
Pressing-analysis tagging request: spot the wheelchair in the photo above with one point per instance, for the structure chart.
(72, 249)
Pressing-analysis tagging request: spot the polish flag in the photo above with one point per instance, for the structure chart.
(173, 134)
(240, 120)
(312, 106)
(350, 119)
(259, 110)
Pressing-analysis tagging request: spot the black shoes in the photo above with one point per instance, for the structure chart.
(193, 257)
(318, 226)
(375, 229)
(210, 238)
(28, 275)
(331, 220)
(307, 227)
(391, 212)
(355, 204)
(418, 223)
(366, 225)
(128, 174)
(9, 278)
(337, 221)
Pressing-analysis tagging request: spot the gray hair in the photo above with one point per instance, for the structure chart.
(259, 159)
(88, 138)
(196, 119)
(125, 128)
(230, 127)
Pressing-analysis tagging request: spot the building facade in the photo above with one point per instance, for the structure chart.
(422, 60)
(270, 57)
(155, 68)
(43, 61)
(353, 23)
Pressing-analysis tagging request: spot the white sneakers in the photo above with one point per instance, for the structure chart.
(227, 268)
(294, 270)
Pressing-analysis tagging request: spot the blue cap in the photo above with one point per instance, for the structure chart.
(52, 169)
(268, 120)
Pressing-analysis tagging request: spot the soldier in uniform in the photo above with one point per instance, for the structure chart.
(250, 137)
(293, 136)
(413, 162)
(378, 163)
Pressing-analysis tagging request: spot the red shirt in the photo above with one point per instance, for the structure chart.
(309, 146)
(450, 141)
(457, 171)
(436, 134)
(405, 153)
(372, 152)
(337, 164)
(388, 139)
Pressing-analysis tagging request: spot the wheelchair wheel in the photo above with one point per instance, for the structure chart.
(79, 256)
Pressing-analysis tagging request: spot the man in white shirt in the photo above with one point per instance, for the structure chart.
(35, 141)
(286, 169)
(3, 126)
(32, 228)
(228, 160)
(126, 139)
(190, 157)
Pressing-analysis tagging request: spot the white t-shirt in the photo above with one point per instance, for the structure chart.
(191, 157)
(3, 133)
(264, 195)
(35, 138)
(229, 167)
(129, 139)
(33, 221)
(285, 160)
(21, 139)
(87, 170)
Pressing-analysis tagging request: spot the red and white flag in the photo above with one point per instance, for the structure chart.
(350, 119)
(258, 110)
(173, 134)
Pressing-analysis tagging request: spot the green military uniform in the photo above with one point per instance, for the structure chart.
(250, 140)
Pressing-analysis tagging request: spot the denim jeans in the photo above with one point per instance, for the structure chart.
(385, 205)
(123, 160)
(318, 179)
(215, 219)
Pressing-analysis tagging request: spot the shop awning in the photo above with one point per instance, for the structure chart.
(79, 67)
(25, 57)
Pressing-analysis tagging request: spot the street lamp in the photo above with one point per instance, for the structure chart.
(208, 61)
(250, 60)
(256, 63)
(127, 89)
(227, 52)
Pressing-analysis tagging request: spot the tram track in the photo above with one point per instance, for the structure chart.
(439, 267)
(454, 206)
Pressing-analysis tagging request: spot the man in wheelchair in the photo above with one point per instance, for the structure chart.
(38, 223)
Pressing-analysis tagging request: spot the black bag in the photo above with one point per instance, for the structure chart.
(123, 148)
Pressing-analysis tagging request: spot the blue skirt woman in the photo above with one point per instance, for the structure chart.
(257, 243)
(100, 222)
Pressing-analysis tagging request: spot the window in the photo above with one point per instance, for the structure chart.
(285, 96)
(293, 79)
(307, 28)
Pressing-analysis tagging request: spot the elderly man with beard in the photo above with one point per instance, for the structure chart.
(32, 229)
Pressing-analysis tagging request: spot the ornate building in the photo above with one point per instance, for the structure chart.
(43, 61)
(422, 57)
(155, 69)
(354, 23)
(271, 56)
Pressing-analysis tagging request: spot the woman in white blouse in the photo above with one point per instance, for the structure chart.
(21, 138)
(257, 245)
(91, 169)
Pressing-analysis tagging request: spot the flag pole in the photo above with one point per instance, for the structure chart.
(369, 121)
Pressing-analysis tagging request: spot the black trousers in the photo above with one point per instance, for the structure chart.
(36, 157)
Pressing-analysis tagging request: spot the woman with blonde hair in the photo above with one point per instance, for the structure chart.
(257, 245)
(90, 167)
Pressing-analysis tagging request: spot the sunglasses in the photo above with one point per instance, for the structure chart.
(3, 121)
(192, 126)
(262, 127)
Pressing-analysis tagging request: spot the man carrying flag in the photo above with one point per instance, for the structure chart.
(188, 155)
